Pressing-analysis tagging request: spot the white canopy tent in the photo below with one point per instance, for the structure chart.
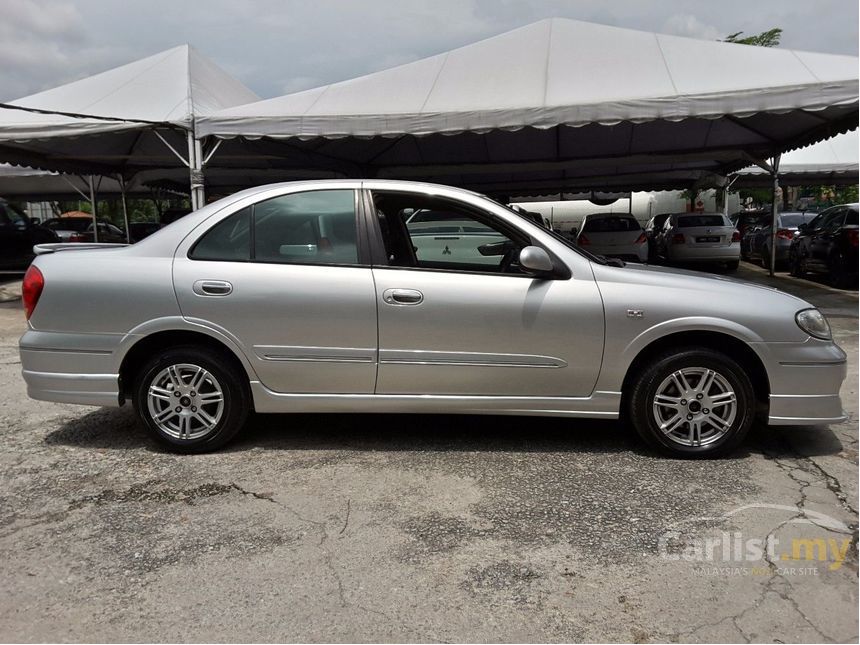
(137, 118)
(831, 162)
(555, 105)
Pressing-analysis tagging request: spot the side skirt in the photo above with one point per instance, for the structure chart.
(600, 405)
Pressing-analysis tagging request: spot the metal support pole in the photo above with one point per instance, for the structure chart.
(774, 164)
(94, 205)
(124, 207)
(195, 172)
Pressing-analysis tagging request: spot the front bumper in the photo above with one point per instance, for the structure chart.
(804, 382)
(70, 368)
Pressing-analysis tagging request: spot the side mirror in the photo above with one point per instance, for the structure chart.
(535, 260)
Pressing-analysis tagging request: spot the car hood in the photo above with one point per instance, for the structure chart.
(664, 293)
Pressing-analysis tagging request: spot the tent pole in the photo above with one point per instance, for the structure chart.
(124, 207)
(94, 205)
(775, 174)
(198, 157)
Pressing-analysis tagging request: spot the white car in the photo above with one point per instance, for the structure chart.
(613, 235)
(448, 238)
(701, 237)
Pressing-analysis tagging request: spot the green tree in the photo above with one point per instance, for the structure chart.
(769, 38)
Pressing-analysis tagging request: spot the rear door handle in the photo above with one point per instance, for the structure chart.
(402, 297)
(212, 288)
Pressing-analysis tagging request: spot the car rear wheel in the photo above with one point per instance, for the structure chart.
(693, 403)
(191, 399)
(838, 271)
(733, 266)
(798, 266)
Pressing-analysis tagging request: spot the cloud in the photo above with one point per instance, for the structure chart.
(689, 25)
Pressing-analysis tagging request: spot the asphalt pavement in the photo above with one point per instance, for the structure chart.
(424, 528)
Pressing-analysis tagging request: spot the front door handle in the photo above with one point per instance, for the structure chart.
(402, 297)
(212, 288)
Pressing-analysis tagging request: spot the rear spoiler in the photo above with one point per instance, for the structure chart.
(42, 249)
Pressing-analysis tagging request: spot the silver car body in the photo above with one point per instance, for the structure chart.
(326, 338)
(700, 237)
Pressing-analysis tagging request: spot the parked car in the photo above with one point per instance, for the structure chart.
(613, 236)
(827, 244)
(18, 235)
(699, 238)
(654, 234)
(80, 229)
(318, 296)
(756, 242)
(745, 220)
(140, 230)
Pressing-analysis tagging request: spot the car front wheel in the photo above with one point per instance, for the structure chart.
(693, 403)
(191, 399)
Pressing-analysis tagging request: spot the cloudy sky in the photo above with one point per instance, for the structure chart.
(280, 46)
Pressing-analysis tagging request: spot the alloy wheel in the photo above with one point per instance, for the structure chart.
(185, 401)
(694, 406)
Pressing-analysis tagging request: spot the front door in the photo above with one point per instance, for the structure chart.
(458, 317)
(285, 278)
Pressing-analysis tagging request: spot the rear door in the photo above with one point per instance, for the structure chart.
(288, 279)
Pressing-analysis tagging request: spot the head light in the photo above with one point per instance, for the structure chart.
(813, 323)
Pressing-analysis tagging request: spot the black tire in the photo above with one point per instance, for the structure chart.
(640, 402)
(838, 275)
(232, 385)
(733, 266)
(798, 269)
(765, 257)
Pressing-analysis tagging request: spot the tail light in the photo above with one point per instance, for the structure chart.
(31, 289)
(784, 234)
(736, 236)
(583, 240)
(852, 238)
(641, 239)
(76, 237)
(678, 238)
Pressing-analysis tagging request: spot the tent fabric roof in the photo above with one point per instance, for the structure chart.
(173, 87)
(549, 73)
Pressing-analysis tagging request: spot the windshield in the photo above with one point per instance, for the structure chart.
(78, 224)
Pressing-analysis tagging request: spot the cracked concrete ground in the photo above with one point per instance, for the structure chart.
(418, 528)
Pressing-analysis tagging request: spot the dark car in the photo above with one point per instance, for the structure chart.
(653, 231)
(756, 242)
(80, 229)
(18, 235)
(828, 244)
(744, 220)
(140, 230)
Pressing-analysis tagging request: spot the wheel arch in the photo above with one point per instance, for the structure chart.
(720, 341)
(140, 350)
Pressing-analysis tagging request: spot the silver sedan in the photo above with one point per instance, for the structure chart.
(346, 296)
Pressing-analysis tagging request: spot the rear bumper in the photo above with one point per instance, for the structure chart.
(70, 368)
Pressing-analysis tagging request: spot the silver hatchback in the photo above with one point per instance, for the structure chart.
(388, 296)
